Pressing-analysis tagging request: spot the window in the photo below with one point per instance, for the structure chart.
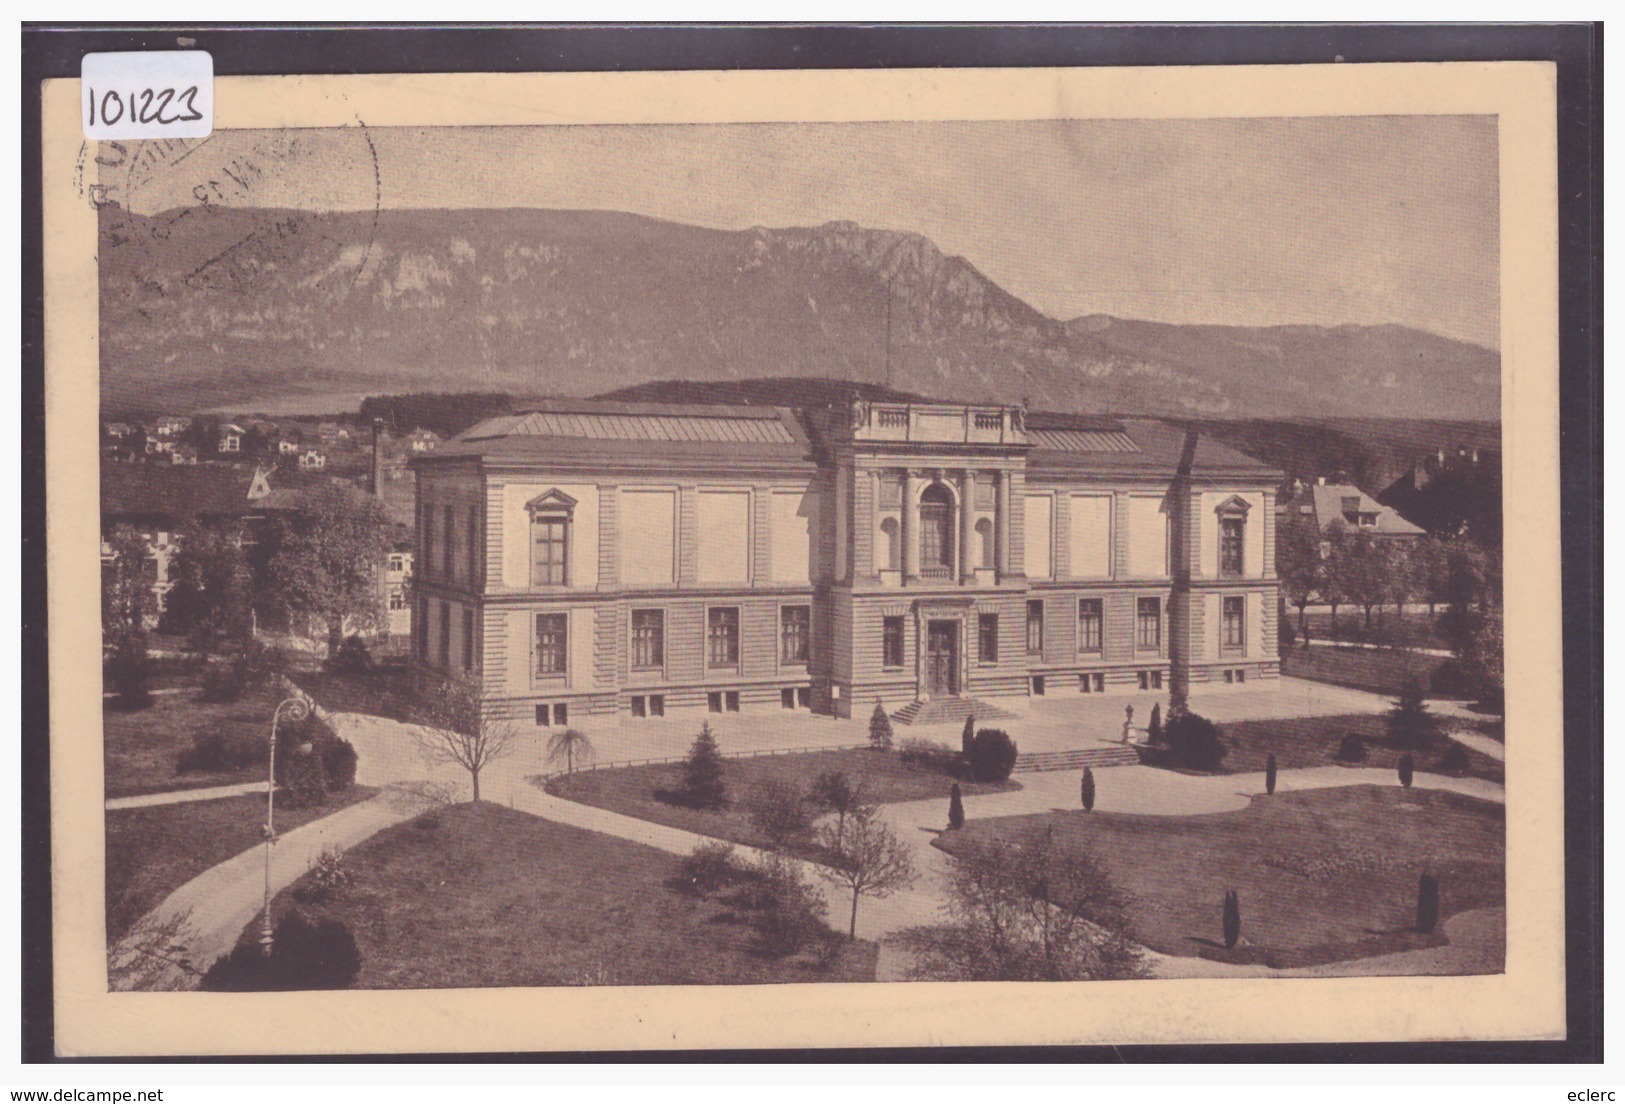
(722, 701)
(468, 640)
(561, 713)
(544, 714)
(722, 636)
(787, 697)
(552, 642)
(426, 541)
(1035, 626)
(1091, 683)
(648, 705)
(891, 642)
(550, 546)
(397, 600)
(420, 628)
(1234, 631)
(397, 562)
(1148, 623)
(713, 701)
(794, 628)
(1231, 533)
(474, 572)
(1150, 680)
(1091, 624)
(730, 700)
(445, 634)
(1038, 686)
(648, 639)
(639, 706)
(936, 531)
(987, 638)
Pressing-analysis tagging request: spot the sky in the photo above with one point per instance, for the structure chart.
(1231, 221)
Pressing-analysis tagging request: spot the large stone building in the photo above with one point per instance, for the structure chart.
(591, 558)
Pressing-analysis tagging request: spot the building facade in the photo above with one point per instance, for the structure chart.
(591, 558)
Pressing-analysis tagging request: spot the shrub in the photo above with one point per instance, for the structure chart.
(1232, 918)
(967, 737)
(1351, 748)
(1407, 770)
(1194, 742)
(428, 822)
(790, 912)
(353, 657)
(311, 762)
(1087, 790)
(329, 874)
(339, 762)
(250, 668)
(1153, 728)
(992, 757)
(1269, 774)
(956, 807)
(1449, 680)
(1453, 760)
(1427, 903)
(709, 867)
(924, 753)
(304, 955)
(880, 728)
(703, 787)
(1409, 722)
(221, 751)
(779, 810)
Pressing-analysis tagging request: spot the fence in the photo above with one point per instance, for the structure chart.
(654, 760)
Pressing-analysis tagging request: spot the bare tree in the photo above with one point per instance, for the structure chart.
(568, 745)
(453, 730)
(866, 859)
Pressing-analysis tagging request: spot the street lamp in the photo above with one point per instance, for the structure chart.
(298, 709)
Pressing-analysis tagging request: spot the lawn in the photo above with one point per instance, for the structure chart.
(1312, 742)
(140, 748)
(649, 792)
(478, 895)
(153, 851)
(383, 692)
(1380, 671)
(1415, 628)
(1322, 875)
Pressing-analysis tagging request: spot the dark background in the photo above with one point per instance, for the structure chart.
(55, 50)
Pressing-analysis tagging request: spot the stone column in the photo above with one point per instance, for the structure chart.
(967, 524)
(1001, 525)
(911, 529)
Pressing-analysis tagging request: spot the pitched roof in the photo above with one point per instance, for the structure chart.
(1133, 447)
(1327, 499)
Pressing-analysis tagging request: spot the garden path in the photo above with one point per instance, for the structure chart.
(176, 797)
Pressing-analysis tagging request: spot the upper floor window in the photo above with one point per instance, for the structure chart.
(891, 641)
(1148, 624)
(648, 638)
(448, 538)
(551, 516)
(474, 572)
(1091, 622)
(936, 531)
(722, 636)
(552, 642)
(1232, 538)
(445, 634)
(1035, 626)
(795, 624)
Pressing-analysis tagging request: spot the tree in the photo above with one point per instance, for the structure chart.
(1086, 790)
(702, 772)
(1430, 562)
(1269, 774)
(1409, 723)
(1332, 568)
(209, 600)
(1483, 659)
(1407, 770)
(330, 560)
(1297, 561)
(834, 792)
(1232, 918)
(778, 809)
(1028, 911)
(1195, 742)
(569, 745)
(992, 756)
(454, 731)
(127, 602)
(1153, 728)
(880, 728)
(956, 807)
(868, 861)
(1360, 566)
(967, 736)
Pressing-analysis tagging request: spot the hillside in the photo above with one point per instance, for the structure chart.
(242, 307)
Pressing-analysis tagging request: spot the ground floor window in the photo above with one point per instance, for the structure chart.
(891, 642)
(648, 638)
(552, 642)
(1091, 624)
(987, 638)
(1148, 626)
(1235, 634)
(795, 623)
(1035, 626)
(397, 600)
(722, 636)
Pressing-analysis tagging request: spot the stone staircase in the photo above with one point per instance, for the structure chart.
(947, 711)
(1119, 755)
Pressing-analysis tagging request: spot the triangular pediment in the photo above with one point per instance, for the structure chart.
(552, 499)
(1235, 504)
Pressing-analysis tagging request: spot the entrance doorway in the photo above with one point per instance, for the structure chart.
(942, 659)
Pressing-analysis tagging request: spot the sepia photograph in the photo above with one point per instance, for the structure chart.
(790, 555)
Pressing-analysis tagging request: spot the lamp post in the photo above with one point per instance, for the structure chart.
(300, 709)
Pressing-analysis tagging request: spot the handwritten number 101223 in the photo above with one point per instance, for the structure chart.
(148, 105)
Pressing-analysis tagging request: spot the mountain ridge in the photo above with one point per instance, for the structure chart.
(229, 306)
